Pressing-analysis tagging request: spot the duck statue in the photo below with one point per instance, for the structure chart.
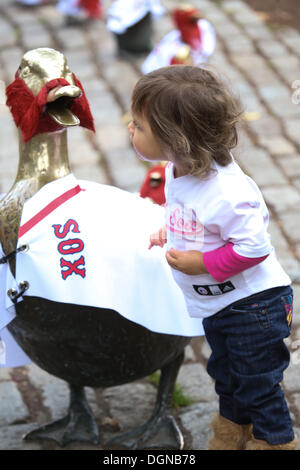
(191, 42)
(81, 294)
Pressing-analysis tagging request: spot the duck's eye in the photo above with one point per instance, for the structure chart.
(25, 71)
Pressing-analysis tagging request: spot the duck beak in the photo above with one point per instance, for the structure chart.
(59, 108)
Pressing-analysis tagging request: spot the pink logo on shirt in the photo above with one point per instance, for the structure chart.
(184, 223)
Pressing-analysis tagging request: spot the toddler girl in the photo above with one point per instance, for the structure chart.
(219, 250)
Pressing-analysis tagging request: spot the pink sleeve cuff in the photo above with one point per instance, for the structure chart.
(224, 262)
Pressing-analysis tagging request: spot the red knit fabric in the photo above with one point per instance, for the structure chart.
(91, 7)
(29, 111)
(190, 33)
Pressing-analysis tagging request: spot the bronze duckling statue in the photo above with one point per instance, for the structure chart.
(82, 344)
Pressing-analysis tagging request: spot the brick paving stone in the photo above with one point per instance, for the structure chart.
(4, 374)
(257, 31)
(81, 63)
(266, 127)
(273, 91)
(235, 6)
(34, 36)
(284, 108)
(263, 75)
(291, 374)
(292, 40)
(106, 110)
(297, 400)
(13, 407)
(283, 198)
(285, 64)
(51, 16)
(196, 420)
(247, 17)
(55, 391)
(11, 58)
(11, 437)
(278, 146)
(124, 87)
(196, 383)
(291, 165)
(93, 172)
(189, 354)
(126, 169)
(93, 87)
(8, 34)
(260, 166)
(112, 137)
(251, 103)
(291, 222)
(279, 241)
(215, 16)
(21, 16)
(228, 73)
(240, 44)
(71, 38)
(229, 30)
(292, 127)
(139, 397)
(283, 251)
(250, 62)
(271, 48)
(298, 249)
(296, 315)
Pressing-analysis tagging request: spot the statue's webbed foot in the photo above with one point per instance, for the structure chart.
(78, 425)
(160, 432)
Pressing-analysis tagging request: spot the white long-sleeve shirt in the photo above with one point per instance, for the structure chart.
(205, 214)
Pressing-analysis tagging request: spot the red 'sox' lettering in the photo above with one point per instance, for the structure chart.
(63, 246)
(69, 247)
(72, 267)
(66, 228)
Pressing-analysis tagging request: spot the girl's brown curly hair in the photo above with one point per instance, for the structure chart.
(191, 112)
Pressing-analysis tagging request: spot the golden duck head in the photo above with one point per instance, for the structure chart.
(46, 96)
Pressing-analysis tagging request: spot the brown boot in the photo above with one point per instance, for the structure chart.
(229, 435)
(258, 444)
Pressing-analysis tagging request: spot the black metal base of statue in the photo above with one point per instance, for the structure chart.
(137, 39)
(161, 430)
(78, 425)
(87, 346)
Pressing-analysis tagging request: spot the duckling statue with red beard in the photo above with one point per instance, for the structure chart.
(191, 42)
(81, 295)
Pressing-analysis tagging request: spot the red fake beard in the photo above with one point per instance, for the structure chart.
(91, 7)
(29, 111)
(190, 33)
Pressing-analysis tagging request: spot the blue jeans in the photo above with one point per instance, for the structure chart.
(248, 359)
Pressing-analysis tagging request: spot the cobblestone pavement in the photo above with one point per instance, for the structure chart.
(263, 67)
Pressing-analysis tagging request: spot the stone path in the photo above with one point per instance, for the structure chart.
(263, 67)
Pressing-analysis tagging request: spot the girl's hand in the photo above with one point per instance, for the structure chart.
(188, 262)
(159, 238)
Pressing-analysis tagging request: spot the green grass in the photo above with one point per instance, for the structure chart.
(180, 399)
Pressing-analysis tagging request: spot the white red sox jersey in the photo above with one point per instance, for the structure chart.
(122, 14)
(88, 245)
(205, 214)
